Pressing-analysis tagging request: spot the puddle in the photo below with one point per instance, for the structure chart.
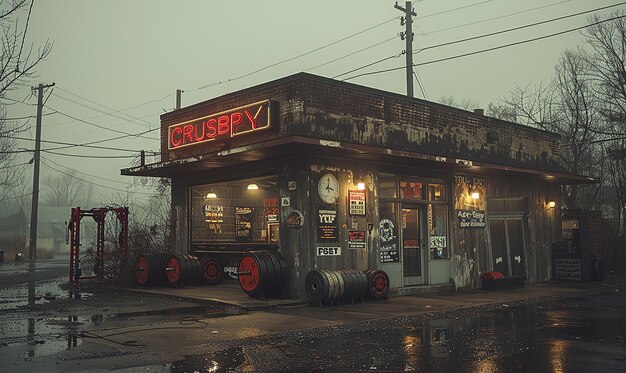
(580, 335)
(42, 336)
(26, 295)
(221, 361)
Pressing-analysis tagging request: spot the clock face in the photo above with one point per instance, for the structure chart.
(328, 188)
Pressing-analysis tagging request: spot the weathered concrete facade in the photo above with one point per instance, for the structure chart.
(410, 155)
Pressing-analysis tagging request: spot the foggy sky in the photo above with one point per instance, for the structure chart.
(121, 54)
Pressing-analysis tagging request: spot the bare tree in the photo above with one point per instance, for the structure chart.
(17, 66)
(67, 189)
(465, 104)
(568, 107)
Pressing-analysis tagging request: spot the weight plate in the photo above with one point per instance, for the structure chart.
(316, 287)
(211, 271)
(249, 282)
(142, 269)
(379, 285)
(173, 275)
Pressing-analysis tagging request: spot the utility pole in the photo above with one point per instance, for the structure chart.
(32, 248)
(407, 35)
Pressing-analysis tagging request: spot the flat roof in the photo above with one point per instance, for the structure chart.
(298, 145)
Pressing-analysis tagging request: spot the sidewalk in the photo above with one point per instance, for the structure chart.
(230, 325)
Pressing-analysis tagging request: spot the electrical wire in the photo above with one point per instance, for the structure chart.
(420, 85)
(89, 156)
(517, 28)
(78, 145)
(28, 117)
(99, 126)
(98, 110)
(90, 175)
(352, 53)
(455, 9)
(14, 165)
(494, 18)
(87, 181)
(295, 57)
(483, 50)
(370, 64)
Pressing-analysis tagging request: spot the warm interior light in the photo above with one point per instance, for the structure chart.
(253, 186)
(551, 204)
(360, 185)
(437, 191)
(211, 195)
(475, 195)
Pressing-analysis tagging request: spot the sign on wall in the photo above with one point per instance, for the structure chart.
(388, 236)
(356, 201)
(327, 229)
(220, 126)
(356, 239)
(328, 251)
(243, 223)
(469, 201)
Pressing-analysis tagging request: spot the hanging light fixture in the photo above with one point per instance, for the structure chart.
(211, 195)
(253, 186)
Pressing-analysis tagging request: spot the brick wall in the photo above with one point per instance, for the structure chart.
(322, 108)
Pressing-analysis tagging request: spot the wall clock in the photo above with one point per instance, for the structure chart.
(328, 188)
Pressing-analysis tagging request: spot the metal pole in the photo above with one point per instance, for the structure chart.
(178, 97)
(407, 35)
(409, 50)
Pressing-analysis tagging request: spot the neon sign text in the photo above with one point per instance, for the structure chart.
(220, 126)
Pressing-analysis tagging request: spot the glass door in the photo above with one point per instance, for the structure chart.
(412, 245)
(508, 244)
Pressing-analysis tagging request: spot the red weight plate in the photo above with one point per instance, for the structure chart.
(142, 268)
(211, 270)
(249, 282)
(173, 275)
(380, 285)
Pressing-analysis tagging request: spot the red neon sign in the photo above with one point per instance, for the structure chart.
(220, 126)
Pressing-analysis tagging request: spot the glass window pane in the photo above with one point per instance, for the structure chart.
(411, 239)
(388, 233)
(412, 190)
(436, 192)
(498, 247)
(516, 246)
(438, 231)
(387, 188)
(237, 211)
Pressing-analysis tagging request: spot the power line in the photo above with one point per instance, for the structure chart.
(28, 117)
(89, 182)
(368, 65)
(352, 53)
(494, 18)
(88, 156)
(484, 50)
(517, 28)
(99, 126)
(70, 145)
(293, 58)
(98, 110)
(419, 83)
(14, 165)
(455, 9)
(84, 173)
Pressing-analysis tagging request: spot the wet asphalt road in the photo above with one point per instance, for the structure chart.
(580, 334)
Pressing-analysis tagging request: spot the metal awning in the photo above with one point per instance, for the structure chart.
(298, 145)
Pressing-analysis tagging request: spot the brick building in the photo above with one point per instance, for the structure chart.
(431, 194)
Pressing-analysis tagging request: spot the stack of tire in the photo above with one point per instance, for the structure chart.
(325, 287)
(157, 268)
(263, 274)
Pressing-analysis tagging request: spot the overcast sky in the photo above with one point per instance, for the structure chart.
(131, 56)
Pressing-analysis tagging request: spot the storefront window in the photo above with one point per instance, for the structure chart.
(436, 192)
(438, 231)
(238, 211)
(412, 190)
(388, 233)
(387, 188)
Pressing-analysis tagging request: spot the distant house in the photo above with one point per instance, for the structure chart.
(51, 228)
(13, 229)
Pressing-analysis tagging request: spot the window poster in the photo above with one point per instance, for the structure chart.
(243, 223)
(469, 201)
(388, 236)
(214, 217)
